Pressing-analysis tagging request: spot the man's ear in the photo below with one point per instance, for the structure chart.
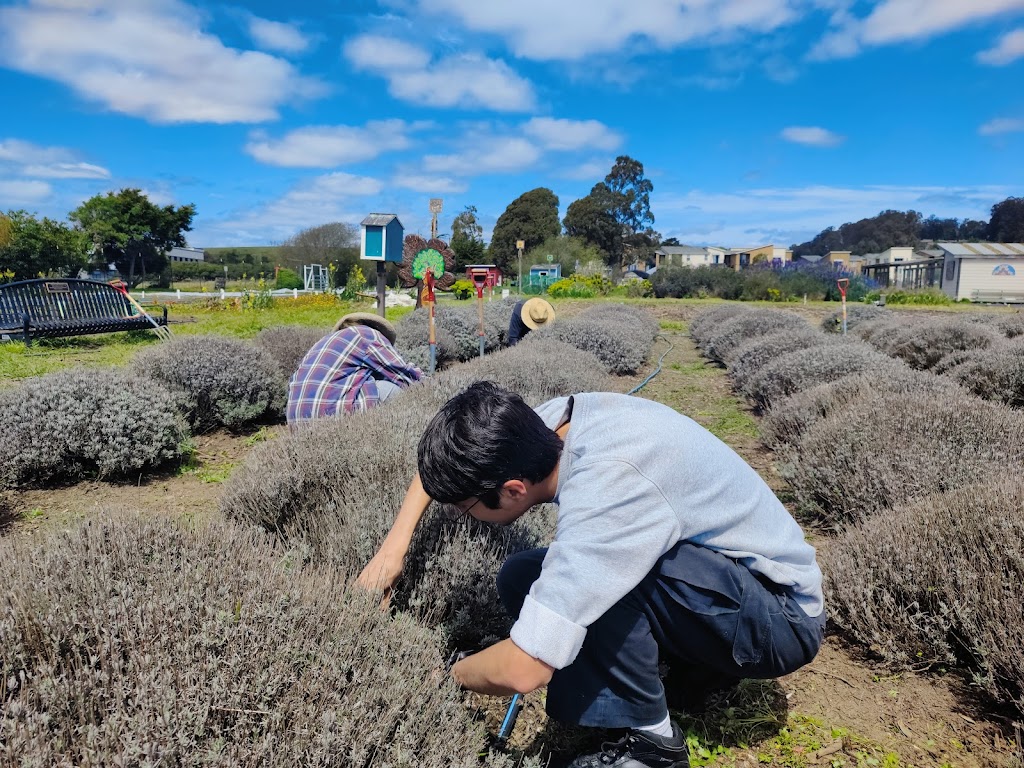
(514, 489)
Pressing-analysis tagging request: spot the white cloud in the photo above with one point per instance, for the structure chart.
(19, 191)
(491, 154)
(1001, 125)
(277, 36)
(593, 170)
(467, 81)
(326, 146)
(788, 215)
(40, 162)
(330, 197)
(560, 134)
(812, 136)
(893, 21)
(429, 184)
(1009, 48)
(573, 29)
(150, 60)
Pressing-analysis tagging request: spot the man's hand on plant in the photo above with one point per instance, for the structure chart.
(381, 573)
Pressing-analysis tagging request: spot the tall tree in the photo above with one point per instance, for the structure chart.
(569, 252)
(335, 244)
(30, 247)
(1007, 222)
(973, 229)
(467, 238)
(632, 194)
(934, 228)
(531, 217)
(127, 229)
(590, 220)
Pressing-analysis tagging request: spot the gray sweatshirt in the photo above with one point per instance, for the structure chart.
(635, 478)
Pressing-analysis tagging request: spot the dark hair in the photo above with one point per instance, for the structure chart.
(480, 439)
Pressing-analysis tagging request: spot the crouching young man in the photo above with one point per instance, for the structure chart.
(669, 547)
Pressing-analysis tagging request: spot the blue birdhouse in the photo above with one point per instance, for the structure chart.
(383, 238)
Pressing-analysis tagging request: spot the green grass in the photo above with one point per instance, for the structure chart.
(47, 355)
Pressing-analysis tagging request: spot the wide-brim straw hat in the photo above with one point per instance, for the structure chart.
(376, 322)
(536, 312)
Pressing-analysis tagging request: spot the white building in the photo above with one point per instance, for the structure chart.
(186, 254)
(983, 271)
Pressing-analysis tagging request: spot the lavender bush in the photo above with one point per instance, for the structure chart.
(288, 344)
(102, 422)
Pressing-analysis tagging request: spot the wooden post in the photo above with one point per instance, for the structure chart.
(381, 268)
(480, 313)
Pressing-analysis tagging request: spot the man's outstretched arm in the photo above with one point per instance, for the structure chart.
(502, 669)
(385, 567)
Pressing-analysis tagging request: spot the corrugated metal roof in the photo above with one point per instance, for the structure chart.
(684, 250)
(982, 250)
(378, 220)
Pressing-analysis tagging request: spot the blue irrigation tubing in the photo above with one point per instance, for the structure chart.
(657, 370)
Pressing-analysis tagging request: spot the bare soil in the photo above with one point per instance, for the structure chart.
(841, 710)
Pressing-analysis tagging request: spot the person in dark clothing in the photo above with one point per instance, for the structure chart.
(528, 316)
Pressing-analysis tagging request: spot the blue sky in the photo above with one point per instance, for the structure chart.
(757, 120)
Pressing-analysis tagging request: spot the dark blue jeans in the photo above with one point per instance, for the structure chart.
(706, 615)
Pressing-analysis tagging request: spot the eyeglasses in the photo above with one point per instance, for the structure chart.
(455, 512)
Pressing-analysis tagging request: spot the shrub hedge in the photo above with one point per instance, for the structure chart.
(137, 642)
(805, 368)
(879, 451)
(790, 417)
(938, 583)
(335, 487)
(224, 382)
(751, 356)
(707, 321)
(722, 342)
(288, 344)
(456, 332)
(923, 345)
(86, 421)
(855, 315)
(620, 336)
(996, 373)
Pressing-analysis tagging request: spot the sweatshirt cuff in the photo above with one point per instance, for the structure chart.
(546, 635)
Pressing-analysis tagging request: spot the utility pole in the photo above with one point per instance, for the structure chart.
(436, 205)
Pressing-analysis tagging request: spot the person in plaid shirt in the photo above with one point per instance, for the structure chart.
(352, 369)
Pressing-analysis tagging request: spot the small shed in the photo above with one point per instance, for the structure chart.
(489, 272)
(382, 238)
(543, 272)
(983, 271)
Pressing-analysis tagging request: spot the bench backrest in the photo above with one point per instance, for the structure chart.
(56, 300)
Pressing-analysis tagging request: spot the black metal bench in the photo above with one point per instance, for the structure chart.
(53, 308)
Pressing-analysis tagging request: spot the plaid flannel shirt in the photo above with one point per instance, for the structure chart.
(339, 374)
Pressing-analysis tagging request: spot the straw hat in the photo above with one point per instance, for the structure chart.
(536, 312)
(376, 322)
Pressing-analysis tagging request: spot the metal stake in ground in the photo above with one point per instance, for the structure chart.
(843, 284)
(428, 299)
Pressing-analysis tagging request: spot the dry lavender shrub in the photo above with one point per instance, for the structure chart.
(924, 345)
(790, 417)
(134, 641)
(413, 341)
(796, 371)
(751, 356)
(938, 583)
(457, 331)
(856, 314)
(288, 344)
(996, 373)
(1011, 325)
(879, 451)
(225, 382)
(621, 337)
(708, 320)
(102, 422)
(722, 342)
(335, 486)
(881, 331)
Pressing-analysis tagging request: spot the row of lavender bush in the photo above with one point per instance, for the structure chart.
(127, 640)
(917, 477)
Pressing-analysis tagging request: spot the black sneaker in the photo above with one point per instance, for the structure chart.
(639, 749)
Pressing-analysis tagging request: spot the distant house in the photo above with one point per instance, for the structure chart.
(543, 275)
(489, 272)
(193, 255)
(711, 255)
(983, 271)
